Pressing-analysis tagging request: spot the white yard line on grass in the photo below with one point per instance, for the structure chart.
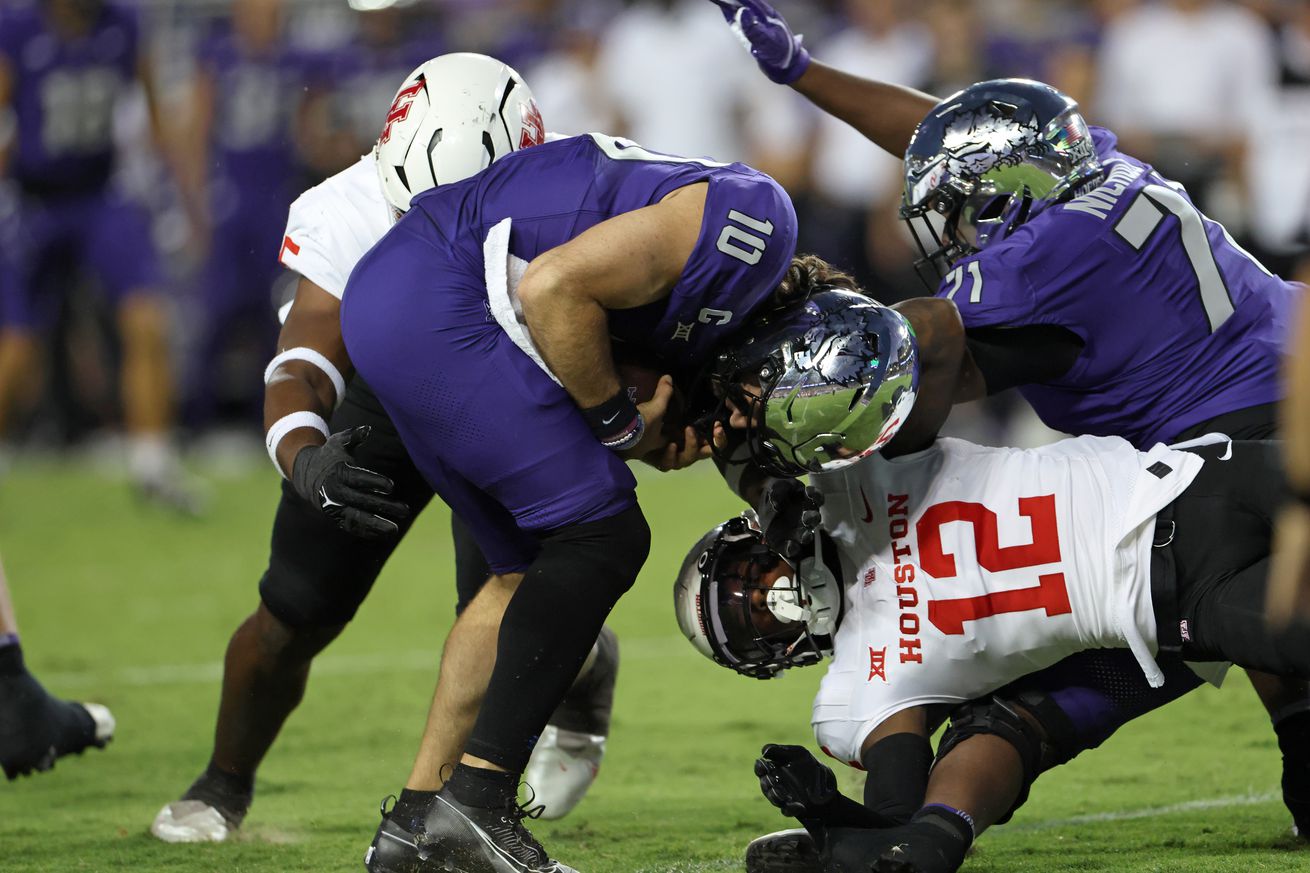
(1150, 812)
(210, 672)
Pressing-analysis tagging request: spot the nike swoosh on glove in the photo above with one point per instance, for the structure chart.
(355, 498)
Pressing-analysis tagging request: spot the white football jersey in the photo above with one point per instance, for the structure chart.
(332, 225)
(969, 567)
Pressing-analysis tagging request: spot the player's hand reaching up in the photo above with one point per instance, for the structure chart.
(355, 498)
(794, 780)
(779, 52)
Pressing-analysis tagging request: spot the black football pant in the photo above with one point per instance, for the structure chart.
(318, 574)
(1210, 567)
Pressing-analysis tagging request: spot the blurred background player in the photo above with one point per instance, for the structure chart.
(64, 67)
(1290, 596)
(36, 728)
(348, 501)
(248, 94)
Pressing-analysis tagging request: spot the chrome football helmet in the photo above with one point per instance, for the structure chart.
(747, 608)
(987, 159)
(823, 382)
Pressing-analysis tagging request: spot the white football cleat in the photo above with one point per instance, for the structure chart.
(190, 821)
(562, 768)
(104, 720)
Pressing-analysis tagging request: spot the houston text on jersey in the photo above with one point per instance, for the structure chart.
(907, 595)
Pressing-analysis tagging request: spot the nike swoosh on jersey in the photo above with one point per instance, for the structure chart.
(868, 510)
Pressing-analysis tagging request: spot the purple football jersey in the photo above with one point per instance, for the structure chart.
(501, 442)
(362, 79)
(255, 96)
(554, 192)
(64, 94)
(1179, 323)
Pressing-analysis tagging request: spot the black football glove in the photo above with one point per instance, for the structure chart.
(796, 516)
(795, 781)
(355, 498)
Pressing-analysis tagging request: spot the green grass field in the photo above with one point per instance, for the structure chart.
(130, 607)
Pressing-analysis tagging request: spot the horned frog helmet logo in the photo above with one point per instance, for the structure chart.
(980, 139)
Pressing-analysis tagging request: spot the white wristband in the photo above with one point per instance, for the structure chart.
(310, 356)
(284, 426)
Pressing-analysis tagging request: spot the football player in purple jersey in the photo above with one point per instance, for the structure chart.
(489, 311)
(247, 92)
(1096, 287)
(64, 64)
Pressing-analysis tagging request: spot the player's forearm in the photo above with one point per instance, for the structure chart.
(572, 333)
(946, 373)
(307, 378)
(886, 114)
(295, 387)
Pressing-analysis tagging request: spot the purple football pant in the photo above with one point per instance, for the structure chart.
(102, 232)
(500, 441)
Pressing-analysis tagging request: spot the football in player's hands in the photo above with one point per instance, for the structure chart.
(641, 380)
(794, 780)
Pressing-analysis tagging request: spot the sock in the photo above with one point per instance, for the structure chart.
(11, 656)
(486, 789)
(229, 793)
(412, 808)
(1294, 742)
(957, 824)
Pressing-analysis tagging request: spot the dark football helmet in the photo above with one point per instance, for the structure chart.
(823, 382)
(987, 159)
(747, 608)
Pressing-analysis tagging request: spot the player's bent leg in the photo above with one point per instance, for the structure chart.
(19, 360)
(317, 577)
(466, 664)
(579, 575)
(148, 392)
(568, 755)
(265, 673)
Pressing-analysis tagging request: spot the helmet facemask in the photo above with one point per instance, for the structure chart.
(759, 613)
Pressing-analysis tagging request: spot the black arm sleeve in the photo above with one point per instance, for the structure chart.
(1010, 356)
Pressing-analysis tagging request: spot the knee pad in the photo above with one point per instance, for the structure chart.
(610, 551)
(998, 717)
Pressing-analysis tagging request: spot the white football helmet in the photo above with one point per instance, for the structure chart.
(453, 117)
(737, 610)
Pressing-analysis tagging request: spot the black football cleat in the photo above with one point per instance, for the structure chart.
(931, 843)
(471, 839)
(395, 848)
(1294, 742)
(790, 851)
(36, 729)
